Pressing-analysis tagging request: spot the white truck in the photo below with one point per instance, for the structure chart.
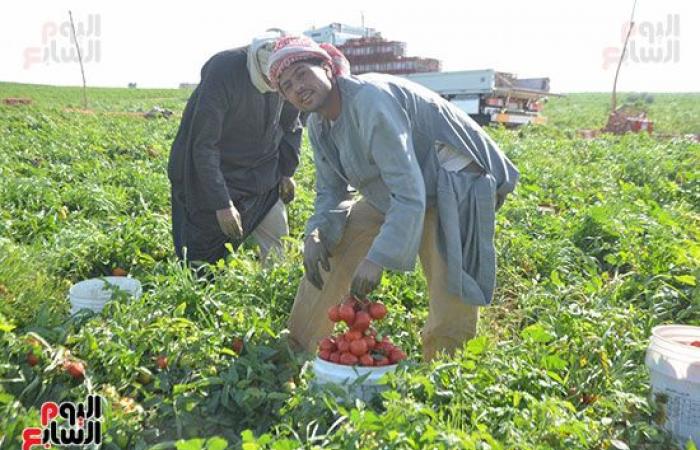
(489, 96)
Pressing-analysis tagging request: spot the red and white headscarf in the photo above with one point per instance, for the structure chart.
(293, 49)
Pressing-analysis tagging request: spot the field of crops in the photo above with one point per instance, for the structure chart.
(599, 243)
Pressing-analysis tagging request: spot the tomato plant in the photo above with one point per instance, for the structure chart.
(598, 244)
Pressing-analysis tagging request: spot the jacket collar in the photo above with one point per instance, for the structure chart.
(348, 86)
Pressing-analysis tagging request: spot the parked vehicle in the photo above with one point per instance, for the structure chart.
(489, 96)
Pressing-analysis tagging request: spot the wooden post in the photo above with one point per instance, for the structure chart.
(622, 57)
(80, 59)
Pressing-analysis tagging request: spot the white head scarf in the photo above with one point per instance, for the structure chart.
(259, 53)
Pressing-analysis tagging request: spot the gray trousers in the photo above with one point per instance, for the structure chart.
(268, 234)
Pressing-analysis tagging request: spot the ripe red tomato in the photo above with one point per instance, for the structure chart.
(366, 360)
(358, 347)
(353, 335)
(370, 342)
(348, 359)
(362, 321)
(236, 346)
(396, 355)
(381, 361)
(385, 347)
(327, 344)
(75, 369)
(343, 345)
(32, 359)
(335, 357)
(162, 362)
(324, 355)
(377, 310)
(347, 314)
(334, 313)
(588, 399)
(350, 300)
(119, 272)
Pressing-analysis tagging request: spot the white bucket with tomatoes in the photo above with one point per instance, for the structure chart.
(357, 358)
(347, 377)
(673, 359)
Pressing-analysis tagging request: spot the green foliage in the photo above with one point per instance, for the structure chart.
(598, 244)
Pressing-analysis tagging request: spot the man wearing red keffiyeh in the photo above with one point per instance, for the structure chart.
(431, 180)
(291, 49)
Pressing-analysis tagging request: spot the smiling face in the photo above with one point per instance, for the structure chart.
(306, 85)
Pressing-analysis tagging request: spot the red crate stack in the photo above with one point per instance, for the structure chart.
(376, 54)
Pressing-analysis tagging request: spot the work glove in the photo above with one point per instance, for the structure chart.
(287, 188)
(367, 277)
(315, 252)
(230, 221)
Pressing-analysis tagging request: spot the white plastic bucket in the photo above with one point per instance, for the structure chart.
(93, 295)
(674, 367)
(338, 374)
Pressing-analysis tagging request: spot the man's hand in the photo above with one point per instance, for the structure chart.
(287, 188)
(367, 277)
(315, 252)
(230, 221)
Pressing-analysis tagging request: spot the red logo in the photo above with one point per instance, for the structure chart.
(67, 424)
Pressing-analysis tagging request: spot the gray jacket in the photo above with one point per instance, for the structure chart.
(384, 145)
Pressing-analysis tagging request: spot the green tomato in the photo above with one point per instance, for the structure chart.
(145, 376)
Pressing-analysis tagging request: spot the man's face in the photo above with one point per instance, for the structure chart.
(305, 85)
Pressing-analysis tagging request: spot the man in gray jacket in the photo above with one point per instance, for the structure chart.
(430, 180)
(232, 161)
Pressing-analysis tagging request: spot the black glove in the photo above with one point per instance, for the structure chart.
(315, 252)
(367, 277)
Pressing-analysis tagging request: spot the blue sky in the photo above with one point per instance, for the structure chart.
(160, 44)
